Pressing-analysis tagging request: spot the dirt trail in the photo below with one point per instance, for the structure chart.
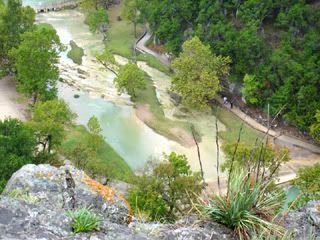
(141, 46)
(9, 107)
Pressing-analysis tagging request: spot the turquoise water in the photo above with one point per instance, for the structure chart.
(134, 141)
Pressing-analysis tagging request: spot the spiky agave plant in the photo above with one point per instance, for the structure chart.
(248, 208)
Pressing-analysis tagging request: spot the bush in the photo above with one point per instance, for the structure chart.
(308, 182)
(268, 158)
(17, 145)
(164, 188)
(248, 208)
(84, 220)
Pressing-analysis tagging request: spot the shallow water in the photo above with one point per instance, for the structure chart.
(133, 140)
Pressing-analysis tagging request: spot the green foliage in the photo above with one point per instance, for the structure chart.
(106, 57)
(90, 5)
(250, 89)
(35, 62)
(17, 145)
(308, 182)
(132, 13)
(96, 160)
(49, 120)
(85, 153)
(76, 53)
(250, 156)
(158, 191)
(84, 220)
(198, 73)
(130, 79)
(14, 21)
(276, 42)
(248, 209)
(97, 20)
(315, 128)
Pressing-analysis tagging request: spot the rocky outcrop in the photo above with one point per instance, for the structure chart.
(37, 198)
(305, 222)
(35, 202)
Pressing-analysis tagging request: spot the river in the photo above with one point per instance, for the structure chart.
(129, 136)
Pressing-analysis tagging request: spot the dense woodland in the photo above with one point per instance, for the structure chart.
(274, 47)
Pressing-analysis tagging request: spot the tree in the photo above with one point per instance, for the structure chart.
(250, 89)
(160, 192)
(315, 128)
(91, 5)
(49, 120)
(17, 145)
(97, 20)
(85, 153)
(198, 73)
(16, 21)
(130, 79)
(263, 158)
(94, 139)
(132, 13)
(35, 62)
(308, 182)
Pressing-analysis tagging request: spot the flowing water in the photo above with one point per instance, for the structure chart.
(129, 136)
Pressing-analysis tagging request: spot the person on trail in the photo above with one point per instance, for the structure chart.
(225, 100)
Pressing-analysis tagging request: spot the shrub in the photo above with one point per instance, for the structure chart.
(17, 145)
(164, 188)
(308, 182)
(267, 158)
(248, 208)
(84, 220)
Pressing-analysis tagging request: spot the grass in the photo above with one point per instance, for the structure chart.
(233, 125)
(84, 220)
(76, 53)
(109, 162)
(154, 63)
(121, 39)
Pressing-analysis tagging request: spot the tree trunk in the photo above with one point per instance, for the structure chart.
(35, 98)
(198, 150)
(49, 143)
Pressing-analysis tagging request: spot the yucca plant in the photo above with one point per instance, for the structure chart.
(248, 208)
(84, 220)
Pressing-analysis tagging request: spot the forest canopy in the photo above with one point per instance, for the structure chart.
(275, 43)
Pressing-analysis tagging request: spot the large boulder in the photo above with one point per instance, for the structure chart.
(305, 222)
(189, 228)
(36, 200)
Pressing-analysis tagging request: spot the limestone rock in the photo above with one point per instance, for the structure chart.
(305, 222)
(36, 200)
